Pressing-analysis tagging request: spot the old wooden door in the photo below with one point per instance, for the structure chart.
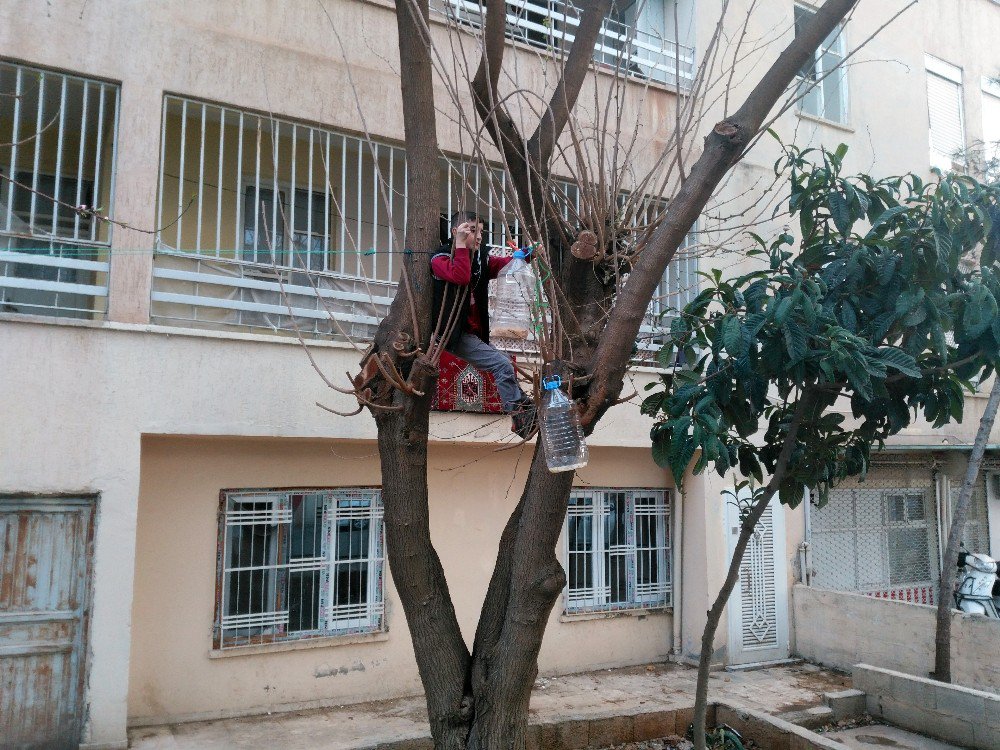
(45, 553)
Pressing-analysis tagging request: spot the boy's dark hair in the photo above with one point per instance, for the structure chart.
(460, 217)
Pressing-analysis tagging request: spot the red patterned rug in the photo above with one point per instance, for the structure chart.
(461, 387)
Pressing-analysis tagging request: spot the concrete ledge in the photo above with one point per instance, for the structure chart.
(952, 713)
(772, 732)
(588, 734)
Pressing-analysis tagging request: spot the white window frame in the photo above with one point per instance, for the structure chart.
(656, 594)
(991, 93)
(937, 68)
(272, 623)
(837, 46)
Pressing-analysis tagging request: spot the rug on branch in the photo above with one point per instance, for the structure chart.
(461, 387)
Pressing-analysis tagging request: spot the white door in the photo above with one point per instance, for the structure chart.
(758, 607)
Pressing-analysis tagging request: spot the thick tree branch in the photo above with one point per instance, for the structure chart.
(441, 653)
(723, 148)
(567, 91)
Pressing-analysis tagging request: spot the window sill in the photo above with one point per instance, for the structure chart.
(300, 645)
(640, 613)
(823, 121)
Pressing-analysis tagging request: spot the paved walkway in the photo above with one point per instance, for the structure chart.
(589, 695)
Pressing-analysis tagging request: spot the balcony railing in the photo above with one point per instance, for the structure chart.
(552, 24)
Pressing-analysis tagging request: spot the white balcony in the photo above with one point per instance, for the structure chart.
(551, 25)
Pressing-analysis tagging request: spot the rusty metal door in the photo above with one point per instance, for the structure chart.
(45, 558)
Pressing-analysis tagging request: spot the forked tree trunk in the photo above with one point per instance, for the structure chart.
(479, 701)
(942, 636)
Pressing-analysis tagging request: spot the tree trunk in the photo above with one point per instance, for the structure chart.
(480, 701)
(747, 527)
(942, 637)
(526, 583)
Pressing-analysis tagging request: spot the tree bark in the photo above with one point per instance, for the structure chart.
(526, 583)
(442, 656)
(942, 637)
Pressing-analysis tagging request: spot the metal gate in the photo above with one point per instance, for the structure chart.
(45, 558)
(758, 607)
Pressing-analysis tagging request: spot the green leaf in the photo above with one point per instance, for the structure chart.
(899, 360)
(784, 310)
(661, 453)
(841, 213)
(731, 336)
(796, 342)
(980, 311)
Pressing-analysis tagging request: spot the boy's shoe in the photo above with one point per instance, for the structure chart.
(524, 418)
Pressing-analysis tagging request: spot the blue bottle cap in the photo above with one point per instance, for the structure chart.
(520, 254)
(552, 382)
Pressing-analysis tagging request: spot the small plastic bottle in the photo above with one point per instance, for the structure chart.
(514, 299)
(562, 435)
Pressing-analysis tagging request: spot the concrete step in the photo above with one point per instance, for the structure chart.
(846, 704)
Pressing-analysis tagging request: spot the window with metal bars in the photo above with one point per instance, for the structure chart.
(822, 83)
(58, 137)
(617, 550)
(268, 223)
(298, 564)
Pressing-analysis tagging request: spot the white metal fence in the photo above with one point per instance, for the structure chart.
(551, 25)
(58, 137)
(268, 224)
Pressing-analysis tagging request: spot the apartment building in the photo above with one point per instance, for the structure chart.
(186, 534)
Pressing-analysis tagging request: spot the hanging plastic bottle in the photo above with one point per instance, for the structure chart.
(514, 300)
(562, 435)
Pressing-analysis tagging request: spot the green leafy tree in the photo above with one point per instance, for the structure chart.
(880, 308)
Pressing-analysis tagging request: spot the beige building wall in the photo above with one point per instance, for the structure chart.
(106, 386)
(174, 673)
(82, 397)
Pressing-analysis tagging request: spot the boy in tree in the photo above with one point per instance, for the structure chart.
(462, 270)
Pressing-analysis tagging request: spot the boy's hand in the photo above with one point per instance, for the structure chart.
(465, 234)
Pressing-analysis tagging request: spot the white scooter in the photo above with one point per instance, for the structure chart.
(978, 590)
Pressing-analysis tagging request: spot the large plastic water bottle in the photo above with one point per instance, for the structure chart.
(515, 296)
(562, 435)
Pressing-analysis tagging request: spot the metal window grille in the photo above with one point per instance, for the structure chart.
(618, 550)
(299, 564)
(58, 139)
(879, 536)
(276, 225)
(884, 536)
(828, 96)
(976, 534)
(551, 25)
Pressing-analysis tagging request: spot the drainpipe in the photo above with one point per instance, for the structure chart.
(678, 539)
(805, 549)
(942, 500)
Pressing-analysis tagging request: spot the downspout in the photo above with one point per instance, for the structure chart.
(678, 539)
(942, 498)
(805, 549)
